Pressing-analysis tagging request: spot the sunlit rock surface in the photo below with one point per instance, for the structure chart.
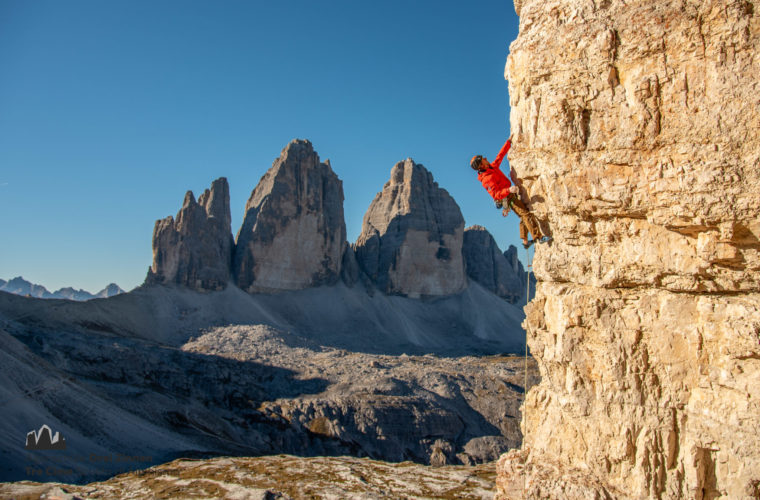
(277, 477)
(293, 235)
(411, 239)
(636, 137)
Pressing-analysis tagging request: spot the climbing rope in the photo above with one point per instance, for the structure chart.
(529, 267)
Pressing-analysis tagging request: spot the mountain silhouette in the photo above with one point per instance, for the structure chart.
(44, 440)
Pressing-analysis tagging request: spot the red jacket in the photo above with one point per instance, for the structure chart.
(493, 179)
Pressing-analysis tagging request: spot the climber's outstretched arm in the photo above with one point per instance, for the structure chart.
(504, 149)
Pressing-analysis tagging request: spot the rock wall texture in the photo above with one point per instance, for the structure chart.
(487, 265)
(636, 137)
(293, 235)
(412, 234)
(195, 249)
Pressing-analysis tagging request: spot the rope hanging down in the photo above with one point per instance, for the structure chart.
(529, 268)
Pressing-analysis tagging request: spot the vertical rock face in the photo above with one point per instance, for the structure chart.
(293, 235)
(486, 265)
(636, 134)
(195, 249)
(411, 239)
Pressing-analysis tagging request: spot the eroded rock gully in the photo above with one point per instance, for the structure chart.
(636, 138)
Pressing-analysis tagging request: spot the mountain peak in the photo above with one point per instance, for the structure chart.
(293, 234)
(195, 248)
(20, 286)
(412, 233)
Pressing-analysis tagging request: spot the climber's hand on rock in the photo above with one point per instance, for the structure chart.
(514, 189)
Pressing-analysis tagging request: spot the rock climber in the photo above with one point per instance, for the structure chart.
(506, 195)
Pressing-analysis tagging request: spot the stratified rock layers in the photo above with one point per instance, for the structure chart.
(636, 134)
(293, 235)
(195, 249)
(411, 239)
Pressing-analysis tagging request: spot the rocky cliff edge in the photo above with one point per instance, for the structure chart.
(636, 136)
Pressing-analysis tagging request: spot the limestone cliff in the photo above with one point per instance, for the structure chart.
(636, 138)
(293, 235)
(411, 239)
(195, 249)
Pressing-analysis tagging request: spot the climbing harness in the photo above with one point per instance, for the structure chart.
(529, 269)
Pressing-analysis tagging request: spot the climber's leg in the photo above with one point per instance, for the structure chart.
(526, 218)
(524, 235)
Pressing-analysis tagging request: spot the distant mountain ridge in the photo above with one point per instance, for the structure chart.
(293, 237)
(20, 286)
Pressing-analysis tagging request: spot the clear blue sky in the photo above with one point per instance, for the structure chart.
(111, 110)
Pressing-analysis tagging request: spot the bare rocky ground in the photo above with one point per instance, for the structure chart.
(424, 408)
(231, 375)
(276, 477)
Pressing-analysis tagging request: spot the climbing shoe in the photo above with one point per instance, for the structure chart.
(545, 239)
(527, 244)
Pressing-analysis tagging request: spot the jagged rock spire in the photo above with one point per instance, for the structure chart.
(293, 235)
(411, 239)
(195, 249)
(489, 267)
